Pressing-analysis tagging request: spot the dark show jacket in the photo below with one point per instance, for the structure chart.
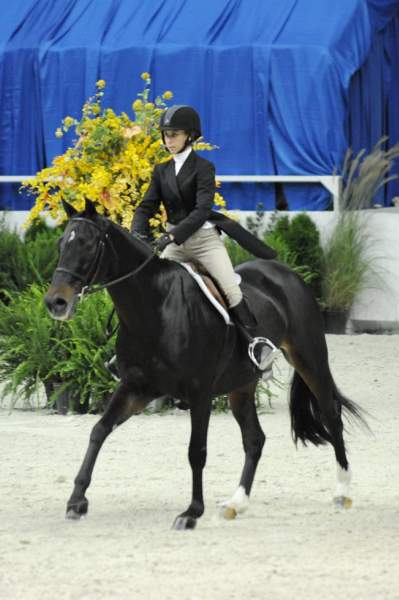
(188, 199)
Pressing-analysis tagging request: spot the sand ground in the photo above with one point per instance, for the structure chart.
(291, 544)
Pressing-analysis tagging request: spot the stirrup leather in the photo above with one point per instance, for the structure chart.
(251, 351)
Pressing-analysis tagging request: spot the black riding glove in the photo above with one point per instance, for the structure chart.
(163, 241)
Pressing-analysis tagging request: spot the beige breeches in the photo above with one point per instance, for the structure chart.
(206, 247)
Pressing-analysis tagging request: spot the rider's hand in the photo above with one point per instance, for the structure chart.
(163, 241)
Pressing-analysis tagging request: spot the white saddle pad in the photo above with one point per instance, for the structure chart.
(208, 294)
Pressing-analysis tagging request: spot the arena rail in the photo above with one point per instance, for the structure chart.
(330, 182)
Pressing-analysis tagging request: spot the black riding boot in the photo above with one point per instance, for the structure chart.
(260, 349)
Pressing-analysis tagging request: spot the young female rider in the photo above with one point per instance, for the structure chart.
(186, 187)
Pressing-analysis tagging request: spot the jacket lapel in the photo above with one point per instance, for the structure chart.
(171, 178)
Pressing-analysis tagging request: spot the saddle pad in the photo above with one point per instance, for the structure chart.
(207, 293)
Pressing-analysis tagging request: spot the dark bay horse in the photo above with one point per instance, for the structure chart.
(172, 341)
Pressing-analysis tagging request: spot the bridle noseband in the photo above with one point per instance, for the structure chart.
(90, 287)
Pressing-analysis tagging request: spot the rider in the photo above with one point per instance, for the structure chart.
(186, 187)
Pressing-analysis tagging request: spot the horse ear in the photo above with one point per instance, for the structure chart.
(90, 208)
(69, 209)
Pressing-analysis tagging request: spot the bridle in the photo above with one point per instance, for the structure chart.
(90, 287)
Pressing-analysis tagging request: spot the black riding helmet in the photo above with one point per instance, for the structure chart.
(181, 117)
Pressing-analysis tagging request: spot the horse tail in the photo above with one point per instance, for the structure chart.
(306, 419)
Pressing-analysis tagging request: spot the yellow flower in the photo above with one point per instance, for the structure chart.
(110, 162)
(219, 200)
(129, 132)
(58, 132)
(100, 84)
(68, 121)
(137, 105)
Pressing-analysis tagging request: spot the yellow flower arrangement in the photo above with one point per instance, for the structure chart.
(110, 162)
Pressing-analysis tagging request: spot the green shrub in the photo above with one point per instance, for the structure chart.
(87, 348)
(30, 342)
(35, 349)
(29, 260)
(303, 240)
(237, 254)
(42, 256)
(13, 260)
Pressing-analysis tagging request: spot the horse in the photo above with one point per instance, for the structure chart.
(171, 341)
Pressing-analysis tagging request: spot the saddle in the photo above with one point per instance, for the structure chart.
(210, 283)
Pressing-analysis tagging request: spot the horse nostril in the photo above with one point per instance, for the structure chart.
(55, 304)
(60, 302)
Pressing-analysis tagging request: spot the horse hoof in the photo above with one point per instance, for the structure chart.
(228, 512)
(342, 502)
(184, 523)
(76, 510)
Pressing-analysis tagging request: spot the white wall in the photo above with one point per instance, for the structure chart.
(381, 304)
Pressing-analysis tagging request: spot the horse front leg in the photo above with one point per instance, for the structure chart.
(200, 414)
(124, 403)
(242, 402)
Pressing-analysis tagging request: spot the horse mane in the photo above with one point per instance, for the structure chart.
(130, 238)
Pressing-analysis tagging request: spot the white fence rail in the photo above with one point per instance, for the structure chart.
(330, 182)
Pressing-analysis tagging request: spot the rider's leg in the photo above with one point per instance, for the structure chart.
(261, 350)
(207, 247)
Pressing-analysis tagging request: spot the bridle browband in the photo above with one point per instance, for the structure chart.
(90, 287)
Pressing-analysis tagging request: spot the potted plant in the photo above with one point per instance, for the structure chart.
(348, 262)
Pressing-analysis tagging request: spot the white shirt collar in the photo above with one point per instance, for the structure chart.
(181, 158)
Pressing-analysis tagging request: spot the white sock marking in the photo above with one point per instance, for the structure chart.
(343, 481)
(239, 500)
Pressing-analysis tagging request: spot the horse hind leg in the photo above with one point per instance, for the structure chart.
(316, 407)
(123, 405)
(242, 402)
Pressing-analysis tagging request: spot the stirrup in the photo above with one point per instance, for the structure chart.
(262, 365)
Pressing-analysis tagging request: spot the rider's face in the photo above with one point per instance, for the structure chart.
(175, 140)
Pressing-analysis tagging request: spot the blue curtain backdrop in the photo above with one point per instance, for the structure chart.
(283, 86)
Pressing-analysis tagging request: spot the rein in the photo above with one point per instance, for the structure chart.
(92, 288)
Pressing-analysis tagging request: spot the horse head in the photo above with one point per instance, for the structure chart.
(82, 260)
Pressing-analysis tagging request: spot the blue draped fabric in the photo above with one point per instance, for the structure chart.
(283, 86)
(375, 87)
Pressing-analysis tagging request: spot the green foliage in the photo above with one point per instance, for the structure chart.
(349, 264)
(30, 342)
(13, 260)
(348, 269)
(239, 255)
(86, 349)
(28, 260)
(36, 349)
(303, 242)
